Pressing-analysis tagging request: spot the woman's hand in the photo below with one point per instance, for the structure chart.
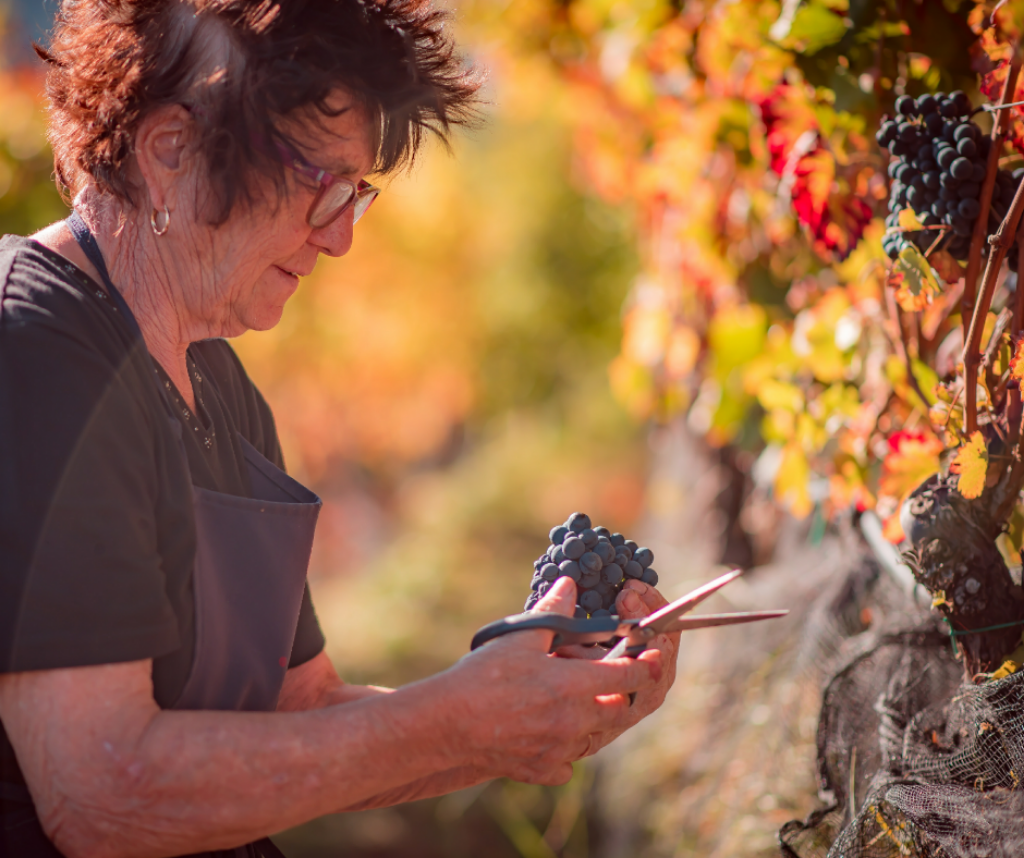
(637, 600)
(522, 713)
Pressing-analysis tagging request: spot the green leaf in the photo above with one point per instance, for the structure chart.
(913, 279)
(815, 27)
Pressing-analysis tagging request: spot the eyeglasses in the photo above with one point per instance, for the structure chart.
(335, 195)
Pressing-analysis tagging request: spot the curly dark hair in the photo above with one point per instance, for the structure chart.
(241, 67)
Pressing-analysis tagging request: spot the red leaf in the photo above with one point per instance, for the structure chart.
(836, 221)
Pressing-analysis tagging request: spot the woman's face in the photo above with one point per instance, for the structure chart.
(244, 270)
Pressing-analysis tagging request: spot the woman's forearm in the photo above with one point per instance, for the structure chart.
(441, 783)
(146, 782)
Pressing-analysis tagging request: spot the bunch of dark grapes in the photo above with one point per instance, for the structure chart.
(600, 562)
(937, 169)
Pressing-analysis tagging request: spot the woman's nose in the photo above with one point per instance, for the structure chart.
(335, 239)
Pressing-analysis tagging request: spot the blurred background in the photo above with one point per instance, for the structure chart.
(447, 388)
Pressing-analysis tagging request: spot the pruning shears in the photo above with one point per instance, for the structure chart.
(633, 635)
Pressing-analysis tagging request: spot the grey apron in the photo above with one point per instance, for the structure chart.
(249, 575)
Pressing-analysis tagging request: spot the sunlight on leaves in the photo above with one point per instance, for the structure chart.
(971, 463)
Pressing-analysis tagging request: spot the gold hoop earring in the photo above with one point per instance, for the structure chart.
(167, 221)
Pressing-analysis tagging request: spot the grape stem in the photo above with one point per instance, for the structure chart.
(974, 308)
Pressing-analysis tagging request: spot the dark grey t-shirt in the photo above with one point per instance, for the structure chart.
(97, 537)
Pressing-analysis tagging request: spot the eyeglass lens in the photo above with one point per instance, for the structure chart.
(335, 199)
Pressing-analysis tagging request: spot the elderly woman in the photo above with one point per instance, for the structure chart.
(163, 685)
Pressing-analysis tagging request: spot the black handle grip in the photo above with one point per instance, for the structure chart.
(568, 630)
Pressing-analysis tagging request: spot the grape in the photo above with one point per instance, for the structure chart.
(961, 168)
(606, 551)
(612, 574)
(601, 612)
(906, 105)
(580, 613)
(933, 122)
(578, 522)
(570, 569)
(599, 561)
(927, 104)
(969, 208)
(967, 147)
(650, 577)
(574, 548)
(969, 190)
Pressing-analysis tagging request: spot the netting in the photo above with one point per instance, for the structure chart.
(912, 759)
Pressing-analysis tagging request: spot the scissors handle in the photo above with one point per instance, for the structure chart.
(568, 630)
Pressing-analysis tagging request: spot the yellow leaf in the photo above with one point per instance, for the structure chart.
(791, 481)
(774, 394)
(971, 463)
(913, 457)
(909, 220)
(1017, 362)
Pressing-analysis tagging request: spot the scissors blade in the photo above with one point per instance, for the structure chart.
(707, 621)
(659, 620)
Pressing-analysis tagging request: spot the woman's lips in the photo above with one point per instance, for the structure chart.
(293, 279)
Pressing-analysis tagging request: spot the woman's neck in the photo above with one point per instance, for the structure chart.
(146, 288)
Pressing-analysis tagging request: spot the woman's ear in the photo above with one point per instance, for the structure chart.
(160, 150)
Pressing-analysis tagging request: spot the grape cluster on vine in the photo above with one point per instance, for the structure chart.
(937, 169)
(598, 561)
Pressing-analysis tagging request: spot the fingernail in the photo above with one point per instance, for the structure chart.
(631, 602)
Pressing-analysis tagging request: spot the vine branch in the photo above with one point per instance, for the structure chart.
(974, 308)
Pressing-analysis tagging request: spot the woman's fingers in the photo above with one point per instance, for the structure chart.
(560, 599)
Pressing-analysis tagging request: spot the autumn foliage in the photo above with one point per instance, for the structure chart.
(767, 313)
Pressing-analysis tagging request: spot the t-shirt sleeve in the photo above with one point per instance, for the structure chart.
(81, 581)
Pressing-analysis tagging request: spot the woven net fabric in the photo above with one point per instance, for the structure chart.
(912, 759)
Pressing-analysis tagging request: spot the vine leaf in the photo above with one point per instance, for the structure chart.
(1017, 362)
(913, 279)
(908, 219)
(971, 463)
(943, 264)
(913, 457)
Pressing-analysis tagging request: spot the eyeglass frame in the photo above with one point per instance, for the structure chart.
(297, 162)
(326, 180)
